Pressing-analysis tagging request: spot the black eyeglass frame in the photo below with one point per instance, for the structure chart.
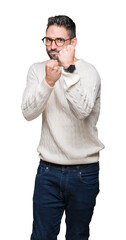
(51, 40)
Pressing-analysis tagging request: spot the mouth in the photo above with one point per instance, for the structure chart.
(54, 52)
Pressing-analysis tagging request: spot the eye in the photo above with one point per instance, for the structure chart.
(48, 40)
(60, 40)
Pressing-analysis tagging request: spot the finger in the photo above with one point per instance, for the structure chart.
(56, 68)
(63, 50)
(55, 63)
(52, 63)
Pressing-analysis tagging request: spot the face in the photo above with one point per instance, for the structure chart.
(57, 32)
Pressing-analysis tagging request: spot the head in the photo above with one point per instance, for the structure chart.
(62, 29)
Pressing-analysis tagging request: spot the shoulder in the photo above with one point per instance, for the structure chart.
(82, 65)
(37, 66)
(88, 71)
(37, 69)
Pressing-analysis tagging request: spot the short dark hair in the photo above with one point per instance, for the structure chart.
(63, 21)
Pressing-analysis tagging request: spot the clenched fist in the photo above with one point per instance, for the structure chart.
(53, 72)
(66, 56)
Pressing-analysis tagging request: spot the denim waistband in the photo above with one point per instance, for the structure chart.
(71, 167)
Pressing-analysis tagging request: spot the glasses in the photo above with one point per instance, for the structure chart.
(58, 41)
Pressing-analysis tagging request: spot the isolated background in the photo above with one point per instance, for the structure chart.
(102, 42)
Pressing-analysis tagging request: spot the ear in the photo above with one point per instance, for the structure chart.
(74, 42)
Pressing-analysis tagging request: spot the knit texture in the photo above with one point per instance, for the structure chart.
(70, 112)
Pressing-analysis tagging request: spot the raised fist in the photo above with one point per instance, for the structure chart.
(66, 56)
(53, 72)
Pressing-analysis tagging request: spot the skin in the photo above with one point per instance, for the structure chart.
(60, 56)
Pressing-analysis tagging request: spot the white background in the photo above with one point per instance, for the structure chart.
(102, 42)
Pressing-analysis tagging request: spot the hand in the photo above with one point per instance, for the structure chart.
(53, 72)
(66, 56)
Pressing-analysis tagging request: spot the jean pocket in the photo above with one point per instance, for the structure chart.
(90, 178)
(42, 169)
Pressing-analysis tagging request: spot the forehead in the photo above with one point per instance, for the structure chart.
(56, 31)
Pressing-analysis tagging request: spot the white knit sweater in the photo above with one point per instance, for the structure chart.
(70, 111)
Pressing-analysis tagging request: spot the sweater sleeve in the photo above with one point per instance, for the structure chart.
(36, 95)
(80, 95)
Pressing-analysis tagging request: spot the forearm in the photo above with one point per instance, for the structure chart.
(36, 95)
(34, 102)
(80, 98)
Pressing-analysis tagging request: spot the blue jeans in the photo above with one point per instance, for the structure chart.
(60, 188)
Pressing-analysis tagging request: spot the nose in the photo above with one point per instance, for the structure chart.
(53, 45)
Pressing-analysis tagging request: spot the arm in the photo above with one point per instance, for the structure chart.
(81, 92)
(35, 96)
(80, 96)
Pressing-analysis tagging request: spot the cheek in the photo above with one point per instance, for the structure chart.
(48, 48)
(67, 43)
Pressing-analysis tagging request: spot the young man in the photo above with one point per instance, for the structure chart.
(66, 91)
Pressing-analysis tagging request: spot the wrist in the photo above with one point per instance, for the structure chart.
(50, 83)
(65, 66)
(71, 68)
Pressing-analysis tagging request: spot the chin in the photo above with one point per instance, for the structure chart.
(53, 56)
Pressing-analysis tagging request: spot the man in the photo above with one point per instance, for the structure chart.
(66, 91)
